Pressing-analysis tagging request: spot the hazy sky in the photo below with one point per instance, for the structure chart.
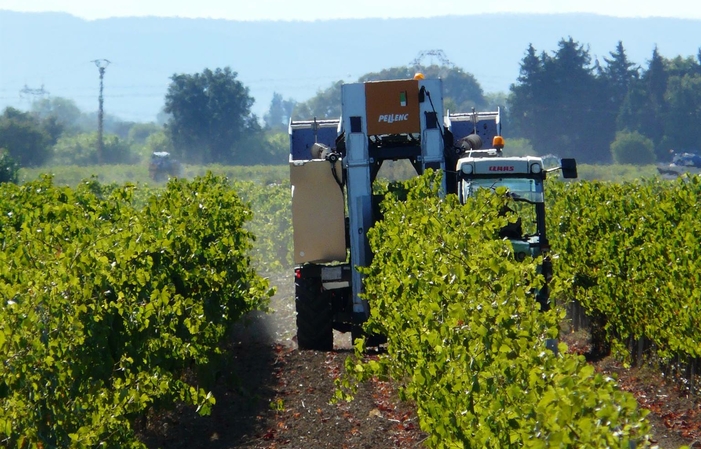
(333, 9)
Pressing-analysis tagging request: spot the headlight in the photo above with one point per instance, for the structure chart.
(467, 168)
(535, 168)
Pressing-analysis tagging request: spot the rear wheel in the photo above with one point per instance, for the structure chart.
(371, 340)
(314, 317)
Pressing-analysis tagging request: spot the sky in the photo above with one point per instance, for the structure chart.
(300, 88)
(329, 9)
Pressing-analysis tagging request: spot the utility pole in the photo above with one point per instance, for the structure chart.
(101, 66)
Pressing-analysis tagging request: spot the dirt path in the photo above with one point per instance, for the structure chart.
(271, 395)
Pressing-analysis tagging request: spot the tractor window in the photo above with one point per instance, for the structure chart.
(524, 189)
(525, 193)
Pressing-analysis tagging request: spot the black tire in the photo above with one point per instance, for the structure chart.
(356, 334)
(371, 340)
(314, 317)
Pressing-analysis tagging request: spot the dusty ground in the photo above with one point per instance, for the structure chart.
(271, 395)
(675, 412)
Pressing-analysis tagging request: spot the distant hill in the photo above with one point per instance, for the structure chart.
(295, 59)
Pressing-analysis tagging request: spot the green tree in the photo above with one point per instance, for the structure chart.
(496, 100)
(162, 117)
(157, 142)
(632, 148)
(614, 80)
(655, 82)
(393, 73)
(680, 66)
(63, 114)
(519, 147)
(119, 127)
(526, 95)
(9, 171)
(81, 149)
(279, 113)
(664, 104)
(619, 75)
(459, 87)
(140, 132)
(267, 147)
(683, 105)
(579, 106)
(24, 137)
(644, 108)
(656, 76)
(557, 102)
(326, 104)
(681, 123)
(63, 110)
(210, 112)
(461, 91)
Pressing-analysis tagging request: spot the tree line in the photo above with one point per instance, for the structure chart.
(570, 104)
(206, 119)
(564, 102)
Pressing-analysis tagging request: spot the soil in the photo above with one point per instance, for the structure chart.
(674, 405)
(272, 395)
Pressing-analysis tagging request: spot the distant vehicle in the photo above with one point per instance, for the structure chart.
(681, 163)
(162, 166)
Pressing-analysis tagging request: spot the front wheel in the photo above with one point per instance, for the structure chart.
(314, 316)
(371, 340)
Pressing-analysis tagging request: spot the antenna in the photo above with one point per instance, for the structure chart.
(101, 66)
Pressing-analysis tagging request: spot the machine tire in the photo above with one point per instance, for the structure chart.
(314, 317)
(356, 333)
(371, 340)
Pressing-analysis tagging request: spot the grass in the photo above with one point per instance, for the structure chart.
(616, 172)
(275, 174)
(138, 174)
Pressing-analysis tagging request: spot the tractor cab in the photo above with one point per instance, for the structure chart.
(521, 179)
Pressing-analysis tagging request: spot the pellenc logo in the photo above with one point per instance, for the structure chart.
(501, 168)
(391, 118)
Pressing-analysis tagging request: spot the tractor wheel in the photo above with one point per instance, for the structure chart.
(314, 317)
(371, 340)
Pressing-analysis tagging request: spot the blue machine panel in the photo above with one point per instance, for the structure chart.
(302, 139)
(486, 129)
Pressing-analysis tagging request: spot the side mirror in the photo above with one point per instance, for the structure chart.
(569, 168)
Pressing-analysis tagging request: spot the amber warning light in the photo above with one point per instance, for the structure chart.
(498, 142)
